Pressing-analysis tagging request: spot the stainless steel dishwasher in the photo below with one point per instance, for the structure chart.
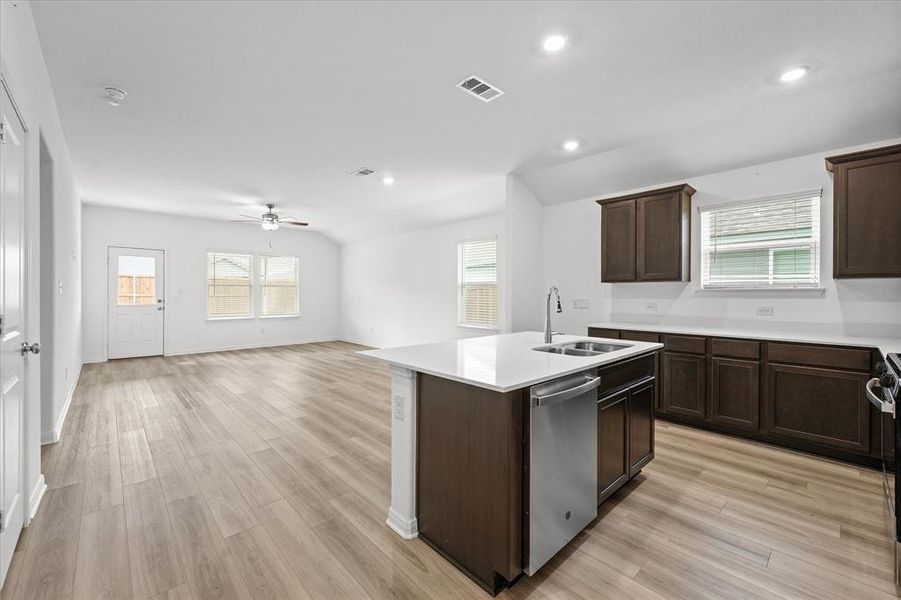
(563, 458)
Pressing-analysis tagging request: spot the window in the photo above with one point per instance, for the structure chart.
(137, 280)
(229, 285)
(768, 243)
(278, 286)
(477, 283)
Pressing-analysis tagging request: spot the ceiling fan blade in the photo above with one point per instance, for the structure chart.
(250, 217)
(256, 221)
(293, 222)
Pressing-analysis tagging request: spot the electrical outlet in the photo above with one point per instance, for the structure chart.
(650, 307)
(398, 407)
(764, 311)
(581, 303)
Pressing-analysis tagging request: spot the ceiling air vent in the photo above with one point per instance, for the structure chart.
(363, 172)
(480, 88)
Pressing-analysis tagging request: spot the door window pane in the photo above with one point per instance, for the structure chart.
(137, 280)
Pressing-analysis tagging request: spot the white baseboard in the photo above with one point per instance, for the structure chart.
(405, 528)
(34, 501)
(185, 351)
(52, 436)
(88, 361)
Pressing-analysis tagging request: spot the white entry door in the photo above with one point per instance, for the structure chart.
(13, 346)
(136, 302)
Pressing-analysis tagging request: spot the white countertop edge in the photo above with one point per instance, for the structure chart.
(884, 345)
(581, 363)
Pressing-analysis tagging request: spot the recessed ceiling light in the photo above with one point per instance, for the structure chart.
(388, 180)
(554, 43)
(571, 145)
(793, 74)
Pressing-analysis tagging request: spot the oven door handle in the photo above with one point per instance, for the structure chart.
(875, 400)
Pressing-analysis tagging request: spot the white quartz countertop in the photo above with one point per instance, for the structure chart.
(885, 345)
(503, 362)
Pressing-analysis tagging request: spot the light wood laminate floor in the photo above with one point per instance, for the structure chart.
(264, 474)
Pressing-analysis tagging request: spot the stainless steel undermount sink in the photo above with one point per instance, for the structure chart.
(581, 348)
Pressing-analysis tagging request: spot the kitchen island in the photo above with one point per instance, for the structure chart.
(503, 446)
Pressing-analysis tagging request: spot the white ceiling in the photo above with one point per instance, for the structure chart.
(234, 104)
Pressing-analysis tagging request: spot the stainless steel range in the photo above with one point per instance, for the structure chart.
(884, 392)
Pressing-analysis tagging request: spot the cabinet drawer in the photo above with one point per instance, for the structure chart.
(622, 374)
(689, 344)
(603, 333)
(734, 348)
(819, 356)
(640, 336)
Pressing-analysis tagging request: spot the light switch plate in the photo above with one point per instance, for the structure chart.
(650, 307)
(765, 311)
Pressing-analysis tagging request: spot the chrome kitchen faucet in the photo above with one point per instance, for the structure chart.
(548, 333)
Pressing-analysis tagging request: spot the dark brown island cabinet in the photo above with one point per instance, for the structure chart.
(473, 463)
(867, 213)
(808, 397)
(647, 236)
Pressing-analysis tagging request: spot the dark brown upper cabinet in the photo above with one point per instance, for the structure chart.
(647, 236)
(618, 241)
(867, 213)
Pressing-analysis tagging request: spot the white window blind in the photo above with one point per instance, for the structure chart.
(229, 285)
(477, 283)
(767, 243)
(278, 286)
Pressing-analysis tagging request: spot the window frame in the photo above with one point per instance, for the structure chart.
(206, 302)
(814, 243)
(296, 285)
(459, 288)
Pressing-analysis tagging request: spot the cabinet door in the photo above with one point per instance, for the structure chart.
(868, 218)
(618, 241)
(641, 427)
(659, 240)
(735, 392)
(826, 407)
(683, 380)
(612, 451)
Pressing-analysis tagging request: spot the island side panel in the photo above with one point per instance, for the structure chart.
(470, 477)
(402, 513)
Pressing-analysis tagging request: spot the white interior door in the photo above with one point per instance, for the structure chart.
(12, 328)
(136, 302)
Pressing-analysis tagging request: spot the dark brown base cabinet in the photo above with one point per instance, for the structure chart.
(807, 397)
(684, 385)
(625, 434)
(821, 406)
(735, 392)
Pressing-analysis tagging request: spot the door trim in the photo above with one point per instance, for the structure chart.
(165, 251)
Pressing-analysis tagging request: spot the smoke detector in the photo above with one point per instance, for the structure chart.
(113, 95)
(480, 88)
(363, 172)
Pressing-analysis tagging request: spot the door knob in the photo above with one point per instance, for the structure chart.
(34, 348)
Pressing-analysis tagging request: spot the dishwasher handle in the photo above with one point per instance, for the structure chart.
(568, 394)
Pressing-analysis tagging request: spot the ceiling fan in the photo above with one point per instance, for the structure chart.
(270, 221)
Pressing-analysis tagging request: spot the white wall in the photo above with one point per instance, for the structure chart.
(186, 242)
(23, 64)
(402, 289)
(525, 280)
(849, 306)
